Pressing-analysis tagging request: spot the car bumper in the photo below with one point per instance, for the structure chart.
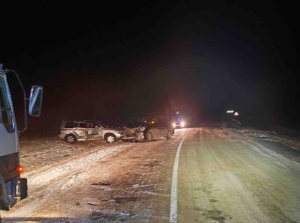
(118, 135)
(178, 126)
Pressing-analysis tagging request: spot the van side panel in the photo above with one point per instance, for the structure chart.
(8, 127)
(8, 165)
(8, 142)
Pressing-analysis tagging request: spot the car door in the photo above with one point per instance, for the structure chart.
(98, 129)
(153, 126)
(93, 131)
(162, 125)
(80, 129)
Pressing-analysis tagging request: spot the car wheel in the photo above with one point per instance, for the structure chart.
(169, 134)
(71, 139)
(110, 138)
(149, 136)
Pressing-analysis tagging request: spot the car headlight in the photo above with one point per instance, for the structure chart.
(182, 124)
(142, 129)
(174, 125)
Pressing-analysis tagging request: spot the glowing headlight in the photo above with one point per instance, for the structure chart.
(182, 124)
(142, 129)
(174, 125)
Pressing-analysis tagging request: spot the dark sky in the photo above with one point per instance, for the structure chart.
(112, 60)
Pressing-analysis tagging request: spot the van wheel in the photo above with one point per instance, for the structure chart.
(110, 138)
(149, 136)
(169, 134)
(71, 139)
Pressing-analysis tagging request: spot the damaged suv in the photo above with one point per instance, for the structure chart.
(148, 127)
(73, 131)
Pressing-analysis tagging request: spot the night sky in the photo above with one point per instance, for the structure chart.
(112, 60)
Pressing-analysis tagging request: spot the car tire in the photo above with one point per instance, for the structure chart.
(149, 136)
(70, 139)
(110, 138)
(169, 135)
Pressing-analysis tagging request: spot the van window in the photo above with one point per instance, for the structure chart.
(6, 114)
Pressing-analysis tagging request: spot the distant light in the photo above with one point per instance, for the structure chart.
(174, 125)
(236, 114)
(182, 124)
(230, 111)
(177, 112)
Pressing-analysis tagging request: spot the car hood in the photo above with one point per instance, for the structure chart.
(113, 128)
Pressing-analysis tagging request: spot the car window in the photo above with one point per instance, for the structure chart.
(82, 124)
(102, 124)
(69, 125)
(96, 124)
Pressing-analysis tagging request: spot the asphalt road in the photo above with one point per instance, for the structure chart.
(226, 175)
(223, 175)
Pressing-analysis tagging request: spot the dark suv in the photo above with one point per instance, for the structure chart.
(148, 127)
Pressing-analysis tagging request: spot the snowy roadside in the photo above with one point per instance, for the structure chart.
(82, 161)
(48, 158)
(86, 182)
(272, 136)
(40, 152)
(51, 173)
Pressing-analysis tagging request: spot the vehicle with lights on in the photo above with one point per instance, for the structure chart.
(148, 127)
(11, 184)
(179, 123)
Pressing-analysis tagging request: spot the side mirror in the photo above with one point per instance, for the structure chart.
(35, 100)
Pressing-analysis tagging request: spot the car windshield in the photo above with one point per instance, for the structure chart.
(138, 121)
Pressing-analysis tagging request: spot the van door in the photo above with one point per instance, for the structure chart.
(8, 132)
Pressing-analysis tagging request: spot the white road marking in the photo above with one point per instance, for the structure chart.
(173, 206)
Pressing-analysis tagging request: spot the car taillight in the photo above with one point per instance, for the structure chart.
(20, 169)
